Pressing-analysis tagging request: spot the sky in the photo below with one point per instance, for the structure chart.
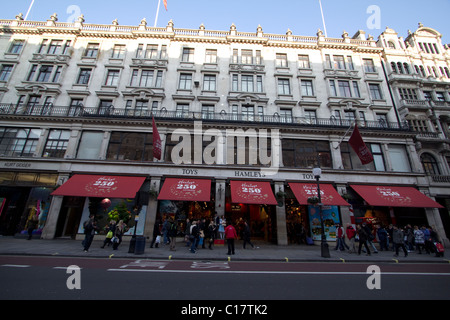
(302, 17)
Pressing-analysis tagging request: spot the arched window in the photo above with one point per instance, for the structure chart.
(429, 164)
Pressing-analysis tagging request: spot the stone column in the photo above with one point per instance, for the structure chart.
(282, 237)
(49, 230)
(152, 208)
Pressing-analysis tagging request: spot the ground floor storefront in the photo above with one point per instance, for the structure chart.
(278, 210)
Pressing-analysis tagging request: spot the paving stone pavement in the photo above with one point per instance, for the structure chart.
(262, 252)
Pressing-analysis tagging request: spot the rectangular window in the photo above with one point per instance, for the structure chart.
(281, 60)
(247, 56)
(118, 51)
(146, 78)
(92, 50)
(303, 61)
(286, 115)
(307, 88)
(247, 83)
(44, 73)
(187, 55)
(151, 52)
(369, 65)
(84, 76)
(310, 116)
(399, 158)
(339, 62)
(283, 86)
(344, 88)
(303, 154)
(56, 144)
(333, 90)
(90, 145)
(182, 111)
(185, 81)
(235, 82)
(351, 160)
(18, 142)
(130, 146)
(211, 56)
(55, 47)
(159, 76)
(112, 78)
(375, 91)
(356, 89)
(16, 46)
(207, 112)
(209, 82)
(5, 72)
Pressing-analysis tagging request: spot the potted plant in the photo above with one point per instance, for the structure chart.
(313, 200)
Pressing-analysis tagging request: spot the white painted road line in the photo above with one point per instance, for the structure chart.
(15, 266)
(281, 272)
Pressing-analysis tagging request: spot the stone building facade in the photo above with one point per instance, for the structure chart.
(243, 117)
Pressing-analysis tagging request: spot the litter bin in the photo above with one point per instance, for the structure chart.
(139, 246)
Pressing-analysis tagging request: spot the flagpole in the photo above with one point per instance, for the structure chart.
(323, 19)
(29, 9)
(157, 13)
(348, 130)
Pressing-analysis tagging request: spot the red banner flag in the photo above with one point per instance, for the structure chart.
(157, 145)
(165, 4)
(357, 143)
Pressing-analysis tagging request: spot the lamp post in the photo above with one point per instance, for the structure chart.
(325, 252)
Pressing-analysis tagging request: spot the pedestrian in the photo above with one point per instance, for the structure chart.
(426, 236)
(187, 233)
(165, 230)
(212, 228)
(390, 231)
(118, 233)
(382, 237)
(363, 236)
(222, 223)
(156, 233)
(90, 227)
(398, 239)
(409, 238)
(32, 224)
(370, 236)
(172, 233)
(340, 235)
(246, 233)
(351, 233)
(195, 234)
(202, 229)
(432, 238)
(109, 233)
(419, 239)
(230, 236)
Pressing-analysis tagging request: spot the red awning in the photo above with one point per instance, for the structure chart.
(252, 192)
(184, 189)
(328, 195)
(385, 196)
(81, 185)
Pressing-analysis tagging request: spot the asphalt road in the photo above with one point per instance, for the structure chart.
(191, 282)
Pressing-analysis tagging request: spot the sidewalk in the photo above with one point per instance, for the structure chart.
(264, 252)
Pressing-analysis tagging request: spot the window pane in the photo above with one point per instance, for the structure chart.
(89, 147)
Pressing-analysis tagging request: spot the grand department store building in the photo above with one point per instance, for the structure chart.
(244, 117)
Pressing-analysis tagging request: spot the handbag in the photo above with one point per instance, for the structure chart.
(158, 239)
